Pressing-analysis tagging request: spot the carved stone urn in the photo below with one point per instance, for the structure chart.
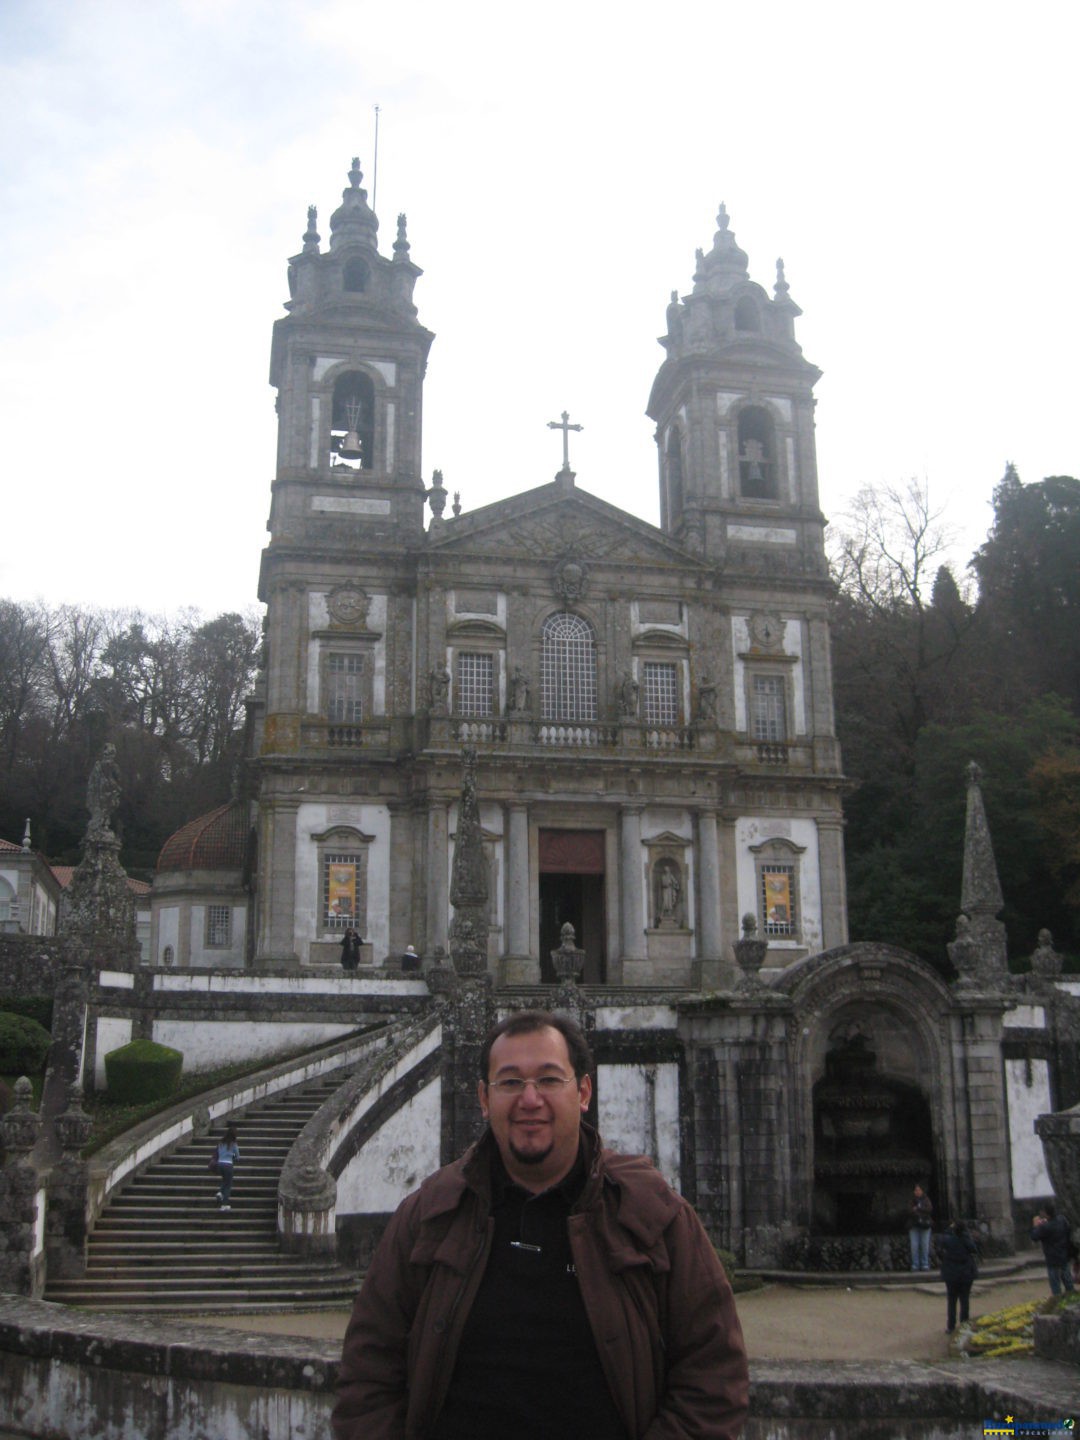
(1060, 1136)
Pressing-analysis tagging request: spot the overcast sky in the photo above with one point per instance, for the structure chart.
(914, 165)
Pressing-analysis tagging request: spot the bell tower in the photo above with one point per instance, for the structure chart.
(348, 364)
(734, 416)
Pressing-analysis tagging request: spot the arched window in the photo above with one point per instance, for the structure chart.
(355, 275)
(674, 474)
(747, 315)
(568, 669)
(757, 455)
(352, 422)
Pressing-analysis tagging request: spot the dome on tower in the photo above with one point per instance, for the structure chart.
(354, 222)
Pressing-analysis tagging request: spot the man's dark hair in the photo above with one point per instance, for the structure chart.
(525, 1022)
(1049, 1210)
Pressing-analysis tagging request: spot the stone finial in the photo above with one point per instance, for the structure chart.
(436, 496)
(73, 1125)
(980, 894)
(569, 959)
(26, 837)
(750, 954)
(723, 221)
(401, 244)
(311, 235)
(781, 288)
(1045, 961)
(19, 1127)
(456, 507)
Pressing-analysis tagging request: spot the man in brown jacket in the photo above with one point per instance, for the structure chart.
(541, 1286)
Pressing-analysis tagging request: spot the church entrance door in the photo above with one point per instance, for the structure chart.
(572, 889)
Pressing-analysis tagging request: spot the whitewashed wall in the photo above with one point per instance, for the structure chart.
(205, 1044)
(639, 1118)
(396, 1158)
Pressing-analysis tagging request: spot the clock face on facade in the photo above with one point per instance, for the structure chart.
(767, 631)
(348, 605)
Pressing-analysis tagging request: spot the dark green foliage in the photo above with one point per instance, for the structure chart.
(7, 1097)
(922, 688)
(24, 1044)
(36, 1007)
(142, 1071)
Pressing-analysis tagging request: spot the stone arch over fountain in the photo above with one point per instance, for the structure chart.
(869, 1038)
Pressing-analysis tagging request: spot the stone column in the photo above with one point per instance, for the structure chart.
(631, 896)
(22, 1272)
(518, 966)
(729, 892)
(830, 832)
(65, 1219)
(708, 963)
(987, 1159)
(438, 919)
(401, 880)
(277, 887)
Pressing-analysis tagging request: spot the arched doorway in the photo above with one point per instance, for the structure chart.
(873, 1138)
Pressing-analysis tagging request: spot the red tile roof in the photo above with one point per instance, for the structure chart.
(64, 873)
(217, 841)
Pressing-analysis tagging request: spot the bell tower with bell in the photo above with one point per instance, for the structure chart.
(346, 523)
(734, 414)
(348, 364)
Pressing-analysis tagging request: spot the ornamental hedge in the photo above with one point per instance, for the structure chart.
(142, 1071)
(23, 1045)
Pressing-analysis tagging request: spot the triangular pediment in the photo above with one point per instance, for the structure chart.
(544, 524)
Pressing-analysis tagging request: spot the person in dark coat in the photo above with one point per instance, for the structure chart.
(1051, 1230)
(959, 1266)
(410, 961)
(350, 949)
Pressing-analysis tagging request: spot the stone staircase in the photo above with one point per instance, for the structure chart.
(162, 1244)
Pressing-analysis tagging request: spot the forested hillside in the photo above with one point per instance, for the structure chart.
(933, 670)
(169, 692)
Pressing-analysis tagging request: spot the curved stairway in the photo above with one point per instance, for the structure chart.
(162, 1244)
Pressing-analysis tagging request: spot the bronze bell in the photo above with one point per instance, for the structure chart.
(350, 447)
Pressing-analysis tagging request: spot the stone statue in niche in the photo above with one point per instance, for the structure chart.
(439, 691)
(628, 696)
(706, 711)
(519, 692)
(668, 894)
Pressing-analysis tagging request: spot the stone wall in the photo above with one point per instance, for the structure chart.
(30, 964)
(69, 1374)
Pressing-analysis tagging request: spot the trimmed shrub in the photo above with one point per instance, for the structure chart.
(23, 1045)
(142, 1071)
(37, 1007)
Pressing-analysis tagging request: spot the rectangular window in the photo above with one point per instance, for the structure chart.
(778, 899)
(769, 714)
(218, 927)
(343, 700)
(341, 891)
(661, 693)
(475, 684)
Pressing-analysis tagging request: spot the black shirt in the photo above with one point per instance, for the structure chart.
(527, 1366)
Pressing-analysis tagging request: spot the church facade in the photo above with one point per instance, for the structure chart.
(650, 706)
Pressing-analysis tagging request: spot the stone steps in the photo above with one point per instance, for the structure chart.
(163, 1245)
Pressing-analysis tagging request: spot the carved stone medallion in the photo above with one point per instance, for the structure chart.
(348, 605)
(570, 579)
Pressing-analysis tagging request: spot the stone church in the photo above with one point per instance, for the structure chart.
(650, 712)
(651, 706)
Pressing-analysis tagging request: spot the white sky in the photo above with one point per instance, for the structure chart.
(559, 163)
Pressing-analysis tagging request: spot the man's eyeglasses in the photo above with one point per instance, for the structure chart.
(545, 1084)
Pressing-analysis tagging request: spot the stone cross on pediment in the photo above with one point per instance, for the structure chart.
(565, 426)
